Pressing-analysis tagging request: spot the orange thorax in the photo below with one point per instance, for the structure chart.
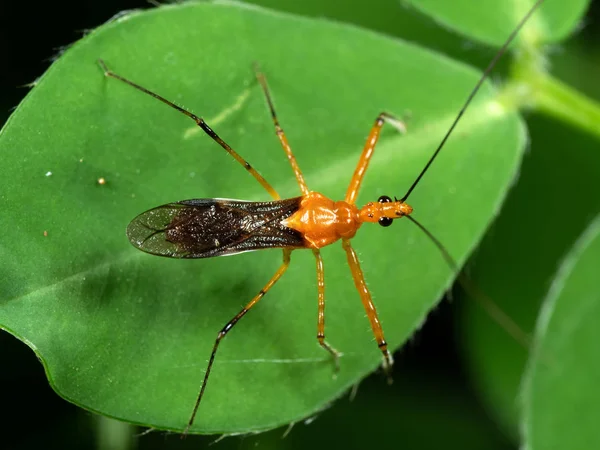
(323, 221)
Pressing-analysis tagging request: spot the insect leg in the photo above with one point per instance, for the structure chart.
(365, 296)
(280, 133)
(229, 326)
(202, 124)
(367, 153)
(321, 313)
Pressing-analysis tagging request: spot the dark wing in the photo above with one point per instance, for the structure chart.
(214, 227)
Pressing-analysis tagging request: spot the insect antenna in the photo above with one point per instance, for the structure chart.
(484, 76)
(477, 294)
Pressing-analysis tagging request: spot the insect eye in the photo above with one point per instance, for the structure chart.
(384, 199)
(385, 221)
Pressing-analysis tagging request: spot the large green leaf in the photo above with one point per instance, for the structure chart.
(561, 396)
(128, 334)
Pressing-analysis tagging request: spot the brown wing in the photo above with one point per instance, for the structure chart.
(203, 228)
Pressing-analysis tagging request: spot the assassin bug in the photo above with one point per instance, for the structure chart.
(203, 228)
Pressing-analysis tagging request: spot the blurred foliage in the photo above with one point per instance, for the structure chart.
(560, 386)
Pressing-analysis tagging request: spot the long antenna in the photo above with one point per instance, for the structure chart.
(485, 75)
(484, 301)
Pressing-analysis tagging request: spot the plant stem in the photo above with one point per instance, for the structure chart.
(114, 435)
(553, 97)
(531, 86)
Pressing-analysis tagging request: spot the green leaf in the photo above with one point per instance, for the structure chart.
(128, 334)
(560, 393)
(491, 21)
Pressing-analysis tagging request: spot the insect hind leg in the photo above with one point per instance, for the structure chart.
(284, 265)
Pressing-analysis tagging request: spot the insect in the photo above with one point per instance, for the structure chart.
(210, 227)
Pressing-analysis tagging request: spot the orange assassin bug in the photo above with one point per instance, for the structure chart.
(203, 228)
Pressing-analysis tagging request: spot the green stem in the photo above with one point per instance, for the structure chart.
(533, 87)
(553, 97)
(114, 435)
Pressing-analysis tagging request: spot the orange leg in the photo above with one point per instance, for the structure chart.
(229, 326)
(367, 153)
(202, 124)
(280, 133)
(321, 314)
(365, 296)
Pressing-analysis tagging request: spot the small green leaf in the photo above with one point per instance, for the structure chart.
(128, 334)
(490, 21)
(560, 395)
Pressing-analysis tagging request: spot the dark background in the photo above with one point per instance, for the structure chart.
(431, 404)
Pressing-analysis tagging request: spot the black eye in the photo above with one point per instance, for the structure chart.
(385, 221)
(384, 199)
